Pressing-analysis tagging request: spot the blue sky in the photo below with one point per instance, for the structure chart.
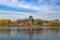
(19, 9)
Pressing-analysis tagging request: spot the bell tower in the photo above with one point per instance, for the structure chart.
(31, 20)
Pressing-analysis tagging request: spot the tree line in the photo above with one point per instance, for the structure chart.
(37, 22)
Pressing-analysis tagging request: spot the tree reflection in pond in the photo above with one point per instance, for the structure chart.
(29, 34)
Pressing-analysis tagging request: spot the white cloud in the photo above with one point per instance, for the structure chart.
(45, 11)
(24, 4)
(16, 15)
(16, 4)
(21, 15)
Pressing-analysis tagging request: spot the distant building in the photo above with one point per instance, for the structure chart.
(45, 22)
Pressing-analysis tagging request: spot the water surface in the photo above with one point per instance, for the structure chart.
(24, 34)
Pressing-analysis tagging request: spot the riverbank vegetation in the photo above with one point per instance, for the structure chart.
(30, 22)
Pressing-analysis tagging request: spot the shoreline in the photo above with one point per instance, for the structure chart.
(28, 27)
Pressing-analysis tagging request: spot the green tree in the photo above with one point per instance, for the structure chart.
(36, 22)
(52, 23)
(7, 21)
(0, 22)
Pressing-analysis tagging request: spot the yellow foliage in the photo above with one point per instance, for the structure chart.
(36, 22)
(5, 22)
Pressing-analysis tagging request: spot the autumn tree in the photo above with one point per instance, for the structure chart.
(52, 23)
(0, 22)
(36, 22)
(7, 21)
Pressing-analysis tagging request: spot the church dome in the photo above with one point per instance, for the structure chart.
(30, 17)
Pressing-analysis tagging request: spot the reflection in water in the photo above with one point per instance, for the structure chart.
(5, 32)
(29, 34)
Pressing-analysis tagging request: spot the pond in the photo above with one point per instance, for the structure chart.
(27, 34)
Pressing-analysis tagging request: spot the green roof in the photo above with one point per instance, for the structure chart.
(30, 17)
